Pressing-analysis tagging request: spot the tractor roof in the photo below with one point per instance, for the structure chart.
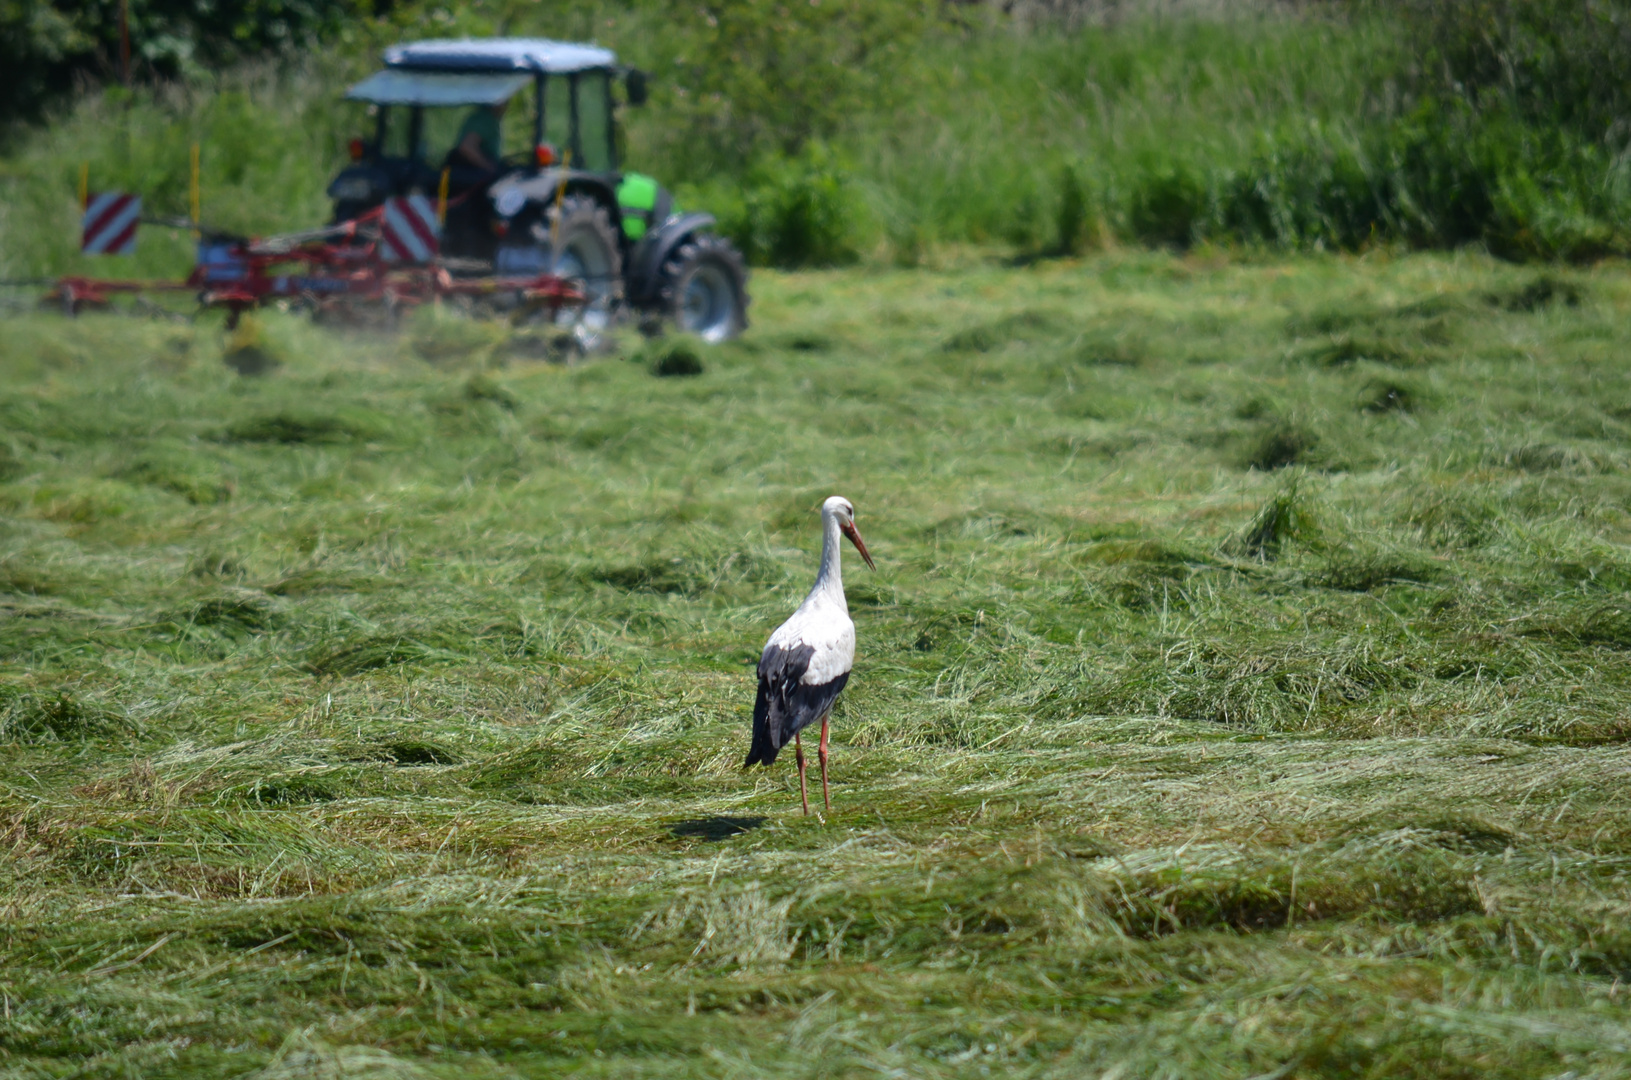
(472, 72)
(396, 87)
(496, 55)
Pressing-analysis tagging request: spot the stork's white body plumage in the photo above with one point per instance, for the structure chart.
(822, 621)
(808, 659)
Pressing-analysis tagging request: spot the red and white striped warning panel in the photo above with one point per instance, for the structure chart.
(409, 232)
(109, 225)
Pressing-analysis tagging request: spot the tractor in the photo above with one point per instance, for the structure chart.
(543, 192)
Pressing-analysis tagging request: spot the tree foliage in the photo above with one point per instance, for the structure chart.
(46, 46)
(1562, 64)
(752, 78)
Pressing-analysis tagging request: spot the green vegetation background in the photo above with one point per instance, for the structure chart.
(825, 132)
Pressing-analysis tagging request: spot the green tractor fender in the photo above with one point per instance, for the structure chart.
(643, 203)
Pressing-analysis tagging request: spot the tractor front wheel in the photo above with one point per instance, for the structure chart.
(703, 288)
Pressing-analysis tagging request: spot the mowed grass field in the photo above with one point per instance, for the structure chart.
(1242, 692)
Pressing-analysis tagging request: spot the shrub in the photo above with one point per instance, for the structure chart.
(797, 211)
(1168, 204)
(1553, 64)
(1310, 193)
(46, 45)
(1073, 217)
(1515, 110)
(746, 80)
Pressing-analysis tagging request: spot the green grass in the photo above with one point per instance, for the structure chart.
(1241, 692)
(977, 152)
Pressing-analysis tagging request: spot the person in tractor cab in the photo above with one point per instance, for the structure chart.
(474, 162)
(476, 157)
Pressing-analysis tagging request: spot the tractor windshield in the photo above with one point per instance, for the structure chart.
(585, 95)
(420, 115)
(442, 128)
(423, 116)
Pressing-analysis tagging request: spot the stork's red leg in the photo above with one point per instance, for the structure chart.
(798, 754)
(822, 754)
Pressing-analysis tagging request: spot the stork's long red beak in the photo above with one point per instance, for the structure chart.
(860, 545)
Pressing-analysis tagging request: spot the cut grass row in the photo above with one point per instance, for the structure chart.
(384, 713)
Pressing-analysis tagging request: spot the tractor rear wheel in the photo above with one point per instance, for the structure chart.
(703, 288)
(583, 242)
(574, 239)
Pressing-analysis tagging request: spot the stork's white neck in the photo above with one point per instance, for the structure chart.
(829, 583)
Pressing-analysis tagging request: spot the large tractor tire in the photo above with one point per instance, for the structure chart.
(583, 245)
(575, 239)
(703, 288)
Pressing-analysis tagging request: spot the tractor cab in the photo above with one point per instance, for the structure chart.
(534, 104)
(516, 143)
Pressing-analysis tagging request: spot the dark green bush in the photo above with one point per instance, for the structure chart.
(1168, 204)
(1505, 135)
(1311, 193)
(1442, 175)
(742, 80)
(797, 211)
(1551, 64)
(46, 45)
(1074, 216)
(1514, 114)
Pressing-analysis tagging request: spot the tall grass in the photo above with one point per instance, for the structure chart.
(1134, 111)
(268, 137)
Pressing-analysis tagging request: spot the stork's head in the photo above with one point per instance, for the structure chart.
(841, 508)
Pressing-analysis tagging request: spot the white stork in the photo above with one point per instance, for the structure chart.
(808, 659)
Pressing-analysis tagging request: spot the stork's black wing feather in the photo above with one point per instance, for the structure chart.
(785, 706)
(765, 745)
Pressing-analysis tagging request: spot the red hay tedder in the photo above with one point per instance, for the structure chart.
(344, 270)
